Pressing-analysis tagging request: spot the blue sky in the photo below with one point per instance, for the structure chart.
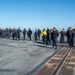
(37, 13)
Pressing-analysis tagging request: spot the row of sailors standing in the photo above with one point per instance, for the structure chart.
(48, 36)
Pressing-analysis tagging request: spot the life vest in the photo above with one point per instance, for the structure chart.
(44, 33)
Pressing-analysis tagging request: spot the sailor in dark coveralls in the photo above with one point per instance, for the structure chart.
(48, 36)
(24, 33)
(29, 33)
(55, 34)
(62, 34)
(39, 32)
(70, 36)
(18, 33)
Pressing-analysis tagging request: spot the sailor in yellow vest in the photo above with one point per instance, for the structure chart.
(44, 36)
